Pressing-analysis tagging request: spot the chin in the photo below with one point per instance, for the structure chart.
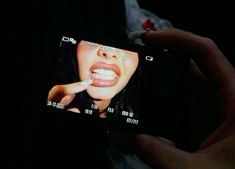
(101, 93)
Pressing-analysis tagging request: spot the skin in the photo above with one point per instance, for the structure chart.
(104, 71)
(217, 151)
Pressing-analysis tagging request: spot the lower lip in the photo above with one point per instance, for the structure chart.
(103, 82)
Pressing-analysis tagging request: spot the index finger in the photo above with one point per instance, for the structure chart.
(60, 91)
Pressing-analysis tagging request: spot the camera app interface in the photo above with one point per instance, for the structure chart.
(95, 79)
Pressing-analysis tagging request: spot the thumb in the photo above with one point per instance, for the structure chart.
(160, 154)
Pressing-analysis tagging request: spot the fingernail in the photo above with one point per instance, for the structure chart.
(166, 141)
(136, 34)
(86, 82)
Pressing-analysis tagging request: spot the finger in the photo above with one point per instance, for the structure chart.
(197, 72)
(203, 51)
(159, 154)
(212, 63)
(60, 91)
(74, 109)
(77, 86)
(67, 99)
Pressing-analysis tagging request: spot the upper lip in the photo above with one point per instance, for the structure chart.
(102, 65)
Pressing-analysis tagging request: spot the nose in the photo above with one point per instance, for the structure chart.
(107, 52)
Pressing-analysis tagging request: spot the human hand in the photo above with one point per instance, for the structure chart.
(64, 94)
(218, 150)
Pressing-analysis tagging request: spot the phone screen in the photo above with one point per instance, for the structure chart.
(121, 83)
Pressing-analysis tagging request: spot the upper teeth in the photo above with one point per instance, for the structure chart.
(104, 74)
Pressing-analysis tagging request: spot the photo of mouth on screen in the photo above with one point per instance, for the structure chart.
(95, 79)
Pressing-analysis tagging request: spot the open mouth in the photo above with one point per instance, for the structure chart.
(104, 75)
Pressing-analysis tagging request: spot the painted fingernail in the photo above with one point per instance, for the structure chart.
(86, 82)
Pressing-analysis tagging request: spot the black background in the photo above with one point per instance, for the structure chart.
(29, 33)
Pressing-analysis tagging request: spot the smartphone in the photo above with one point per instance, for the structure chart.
(118, 83)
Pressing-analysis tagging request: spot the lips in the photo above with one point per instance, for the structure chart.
(104, 75)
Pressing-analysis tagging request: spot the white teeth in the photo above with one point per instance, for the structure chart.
(86, 82)
(104, 74)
